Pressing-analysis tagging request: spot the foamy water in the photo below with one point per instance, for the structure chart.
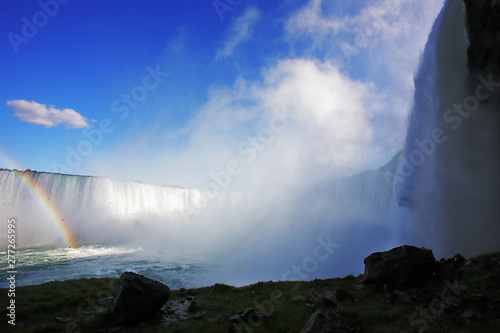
(40, 265)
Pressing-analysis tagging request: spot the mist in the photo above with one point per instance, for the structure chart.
(270, 181)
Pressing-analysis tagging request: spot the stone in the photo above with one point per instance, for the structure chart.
(247, 319)
(402, 267)
(328, 322)
(458, 260)
(328, 302)
(138, 298)
(343, 295)
(193, 307)
(62, 320)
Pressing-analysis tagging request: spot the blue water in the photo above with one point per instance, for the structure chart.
(41, 265)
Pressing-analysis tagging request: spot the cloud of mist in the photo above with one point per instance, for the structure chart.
(303, 123)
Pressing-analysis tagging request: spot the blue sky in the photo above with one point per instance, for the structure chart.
(203, 78)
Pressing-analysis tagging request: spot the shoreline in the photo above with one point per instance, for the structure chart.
(84, 305)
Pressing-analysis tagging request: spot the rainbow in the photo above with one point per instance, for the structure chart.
(41, 195)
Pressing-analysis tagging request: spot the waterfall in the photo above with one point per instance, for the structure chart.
(448, 178)
(96, 209)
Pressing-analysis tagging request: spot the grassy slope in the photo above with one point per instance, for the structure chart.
(87, 302)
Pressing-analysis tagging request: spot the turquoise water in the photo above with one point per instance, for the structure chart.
(40, 265)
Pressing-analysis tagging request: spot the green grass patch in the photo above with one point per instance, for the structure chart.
(288, 305)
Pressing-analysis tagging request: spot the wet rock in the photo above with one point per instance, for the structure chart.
(328, 301)
(193, 307)
(343, 295)
(138, 298)
(402, 267)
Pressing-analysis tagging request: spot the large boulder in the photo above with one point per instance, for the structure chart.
(138, 298)
(402, 267)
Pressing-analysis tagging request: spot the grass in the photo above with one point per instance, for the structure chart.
(87, 302)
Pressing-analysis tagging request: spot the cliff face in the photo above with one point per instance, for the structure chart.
(483, 27)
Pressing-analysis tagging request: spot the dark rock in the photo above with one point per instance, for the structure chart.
(62, 320)
(449, 269)
(246, 319)
(243, 316)
(328, 322)
(402, 267)
(343, 295)
(193, 307)
(138, 298)
(458, 260)
(328, 302)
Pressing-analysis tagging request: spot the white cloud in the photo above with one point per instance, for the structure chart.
(331, 132)
(39, 114)
(240, 31)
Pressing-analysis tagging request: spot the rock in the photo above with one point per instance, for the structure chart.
(343, 295)
(458, 260)
(449, 269)
(62, 320)
(328, 302)
(242, 316)
(402, 267)
(245, 318)
(138, 298)
(328, 322)
(193, 307)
